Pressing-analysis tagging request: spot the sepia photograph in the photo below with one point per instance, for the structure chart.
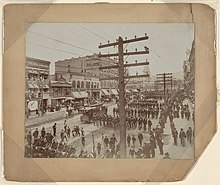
(110, 90)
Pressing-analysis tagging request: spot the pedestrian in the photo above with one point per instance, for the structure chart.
(62, 135)
(35, 134)
(128, 140)
(149, 123)
(68, 132)
(152, 145)
(77, 131)
(140, 138)
(106, 141)
(29, 138)
(182, 113)
(139, 153)
(99, 146)
(182, 137)
(133, 140)
(175, 135)
(83, 140)
(43, 132)
(146, 150)
(189, 135)
(65, 126)
(145, 123)
(37, 112)
(82, 132)
(160, 144)
(73, 130)
(132, 152)
(54, 129)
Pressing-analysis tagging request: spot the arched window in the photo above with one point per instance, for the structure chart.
(92, 85)
(97, 85)
(82, 84)
(78, 84)
(74, 84)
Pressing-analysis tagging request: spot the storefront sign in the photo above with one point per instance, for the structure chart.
(33, 105)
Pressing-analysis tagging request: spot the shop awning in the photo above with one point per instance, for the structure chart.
(84, 94)
(69, 98)
(76, 95)
(135, 90)
(114, 91)
(105, 92)
(58, 98)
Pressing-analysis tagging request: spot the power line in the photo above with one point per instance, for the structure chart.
(52, 48)
(93, 32)
(65, 43)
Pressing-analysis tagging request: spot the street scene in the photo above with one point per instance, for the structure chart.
(97, 90)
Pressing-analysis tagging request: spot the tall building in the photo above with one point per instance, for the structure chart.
(37, 84)
(189, 70)
(84, 75)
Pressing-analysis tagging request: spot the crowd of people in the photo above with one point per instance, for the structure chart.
(144, 138)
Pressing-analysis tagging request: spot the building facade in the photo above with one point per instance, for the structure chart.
(37, 93)
(189, 70)
(86, 77)
(60, 91)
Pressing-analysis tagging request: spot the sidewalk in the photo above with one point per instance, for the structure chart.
(48, 117)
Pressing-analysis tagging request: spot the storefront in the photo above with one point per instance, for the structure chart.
(95, 94)
(57, 102)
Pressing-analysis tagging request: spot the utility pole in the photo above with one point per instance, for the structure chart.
(121, 80)
(164, 79)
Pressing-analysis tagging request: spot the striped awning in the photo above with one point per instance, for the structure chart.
(76, 95)
(105, 92)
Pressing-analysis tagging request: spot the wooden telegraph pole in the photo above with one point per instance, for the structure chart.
(121, 80)
(164, 79)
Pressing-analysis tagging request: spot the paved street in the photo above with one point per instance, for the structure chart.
(97, 131)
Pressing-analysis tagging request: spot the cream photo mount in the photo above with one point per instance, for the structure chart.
(18, 168)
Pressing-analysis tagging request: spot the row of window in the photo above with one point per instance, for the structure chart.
(61, 91)
(87, 85)
(36, 76)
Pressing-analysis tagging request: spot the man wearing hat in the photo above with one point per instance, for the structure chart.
(146, 149)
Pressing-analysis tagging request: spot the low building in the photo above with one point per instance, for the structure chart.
(60, 91)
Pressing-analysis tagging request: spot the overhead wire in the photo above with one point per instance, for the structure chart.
(56, 40)
(52, 48)
(92, 32)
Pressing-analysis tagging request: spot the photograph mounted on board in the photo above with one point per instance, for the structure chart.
(110, 90)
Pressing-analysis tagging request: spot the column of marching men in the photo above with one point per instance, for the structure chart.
(139, 116)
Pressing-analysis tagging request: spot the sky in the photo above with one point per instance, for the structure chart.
(167, 43)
